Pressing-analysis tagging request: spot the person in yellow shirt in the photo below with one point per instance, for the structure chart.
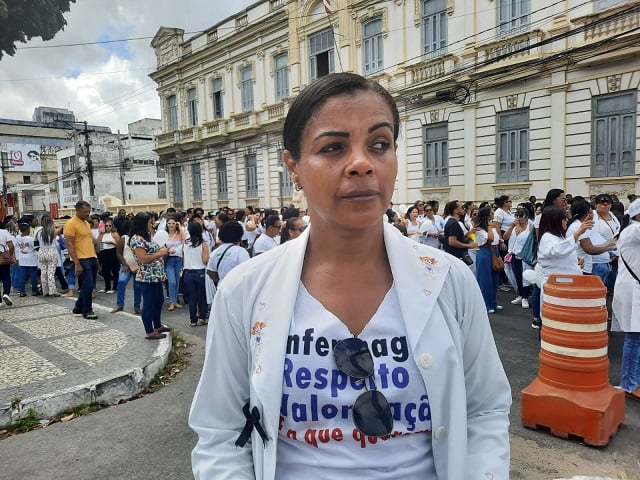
(80, 243)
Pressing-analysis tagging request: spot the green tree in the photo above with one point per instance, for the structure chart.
(21, 20)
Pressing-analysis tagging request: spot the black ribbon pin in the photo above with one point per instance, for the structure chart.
(253, 420)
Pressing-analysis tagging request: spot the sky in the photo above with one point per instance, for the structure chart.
(103, 83)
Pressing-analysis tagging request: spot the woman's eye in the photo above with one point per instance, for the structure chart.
(333, 147)
(381, 145)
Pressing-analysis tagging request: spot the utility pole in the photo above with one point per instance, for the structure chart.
(122, 170)
(87, 143)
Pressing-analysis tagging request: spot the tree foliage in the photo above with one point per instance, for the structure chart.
(21, 20)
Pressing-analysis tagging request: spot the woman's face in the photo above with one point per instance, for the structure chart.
(297, 230)
(507, 205)
(171, 225)
(414, 214)
(603, 206)
(561, 201)
(348, 161)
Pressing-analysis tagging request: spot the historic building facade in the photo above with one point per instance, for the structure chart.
(495, 96)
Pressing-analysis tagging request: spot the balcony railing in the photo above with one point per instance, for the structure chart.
(518, 46)
(599, 26)
(275, 4)
(275, 112)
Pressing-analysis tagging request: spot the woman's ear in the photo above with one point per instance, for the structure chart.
(291, 165)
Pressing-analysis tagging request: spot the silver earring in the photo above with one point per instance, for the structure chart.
(297, 186)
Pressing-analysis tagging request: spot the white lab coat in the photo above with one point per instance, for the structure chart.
(449, 337)
(626, 292)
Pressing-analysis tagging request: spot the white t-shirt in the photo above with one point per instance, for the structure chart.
(317, 437)
(482, 237)
(233, 256)
(193, 256)
(573, 228)
(429, 232)
(264, 243)
(26, 254)
(505, 219)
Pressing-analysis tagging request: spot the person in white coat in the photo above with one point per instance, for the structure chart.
(626, 302)
(350, 352)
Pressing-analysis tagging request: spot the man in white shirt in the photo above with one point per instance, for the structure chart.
(271, 236)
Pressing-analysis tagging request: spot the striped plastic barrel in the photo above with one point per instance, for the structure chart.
(571, 394)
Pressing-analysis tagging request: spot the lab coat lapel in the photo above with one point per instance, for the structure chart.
(270, 325)
(419, 273)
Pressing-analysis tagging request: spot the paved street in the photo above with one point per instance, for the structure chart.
(148, 438)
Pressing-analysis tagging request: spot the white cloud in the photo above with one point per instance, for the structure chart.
(104, 84)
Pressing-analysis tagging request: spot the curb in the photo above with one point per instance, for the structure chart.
(108, 390)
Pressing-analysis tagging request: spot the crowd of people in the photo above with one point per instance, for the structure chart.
(338, 331)
(122, 247)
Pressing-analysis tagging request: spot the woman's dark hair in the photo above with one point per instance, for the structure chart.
(390, 214)
(551, 197)
(290, 224)
(579, 208)
(501, 200)
(290, 213)
(48, 230)
(240, 214)
(195, 234)
(223, 217)
(231, 231)
(450, 207)
(139, 225)
(551, 221)
(312, 98)
(526, 208)
(482, 220)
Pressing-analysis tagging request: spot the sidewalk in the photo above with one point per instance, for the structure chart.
(51, 360)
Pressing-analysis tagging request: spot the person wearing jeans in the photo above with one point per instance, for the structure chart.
(123, 280)
(196, 257)
(81, 246)
(150, 275)
(125, 258)
(174, 263)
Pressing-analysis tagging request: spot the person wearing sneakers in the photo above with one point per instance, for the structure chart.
(81, 246)
(515, 236)
(128, 269)
(6, 245)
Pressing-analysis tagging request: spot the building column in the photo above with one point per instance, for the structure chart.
(557, 160)
(470, 156)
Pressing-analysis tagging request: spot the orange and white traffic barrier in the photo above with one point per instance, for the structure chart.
(571, 394)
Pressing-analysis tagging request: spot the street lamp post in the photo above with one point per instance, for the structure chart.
(280, 172)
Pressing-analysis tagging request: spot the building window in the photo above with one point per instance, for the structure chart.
(321, 49)
(602, 4)
(251, 173)
(513, 146)
(196, 182)
(216, 87)
(176, 183)
(513, 16)
(436, 155)
(221, 173)
(246, 89)
(281, 64)
(172, 111)
(434, 28)
(192, 107)
(614, 134)
(372, 46)
(69, 164)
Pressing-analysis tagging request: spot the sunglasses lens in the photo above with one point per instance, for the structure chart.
(372, 414)
(353, 358)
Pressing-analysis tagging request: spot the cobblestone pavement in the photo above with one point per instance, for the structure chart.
(47, 353)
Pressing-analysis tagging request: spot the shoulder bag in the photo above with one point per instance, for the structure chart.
(529, 252)
(633, 274)
(497, 264)
(5, 256)
(216, 277)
